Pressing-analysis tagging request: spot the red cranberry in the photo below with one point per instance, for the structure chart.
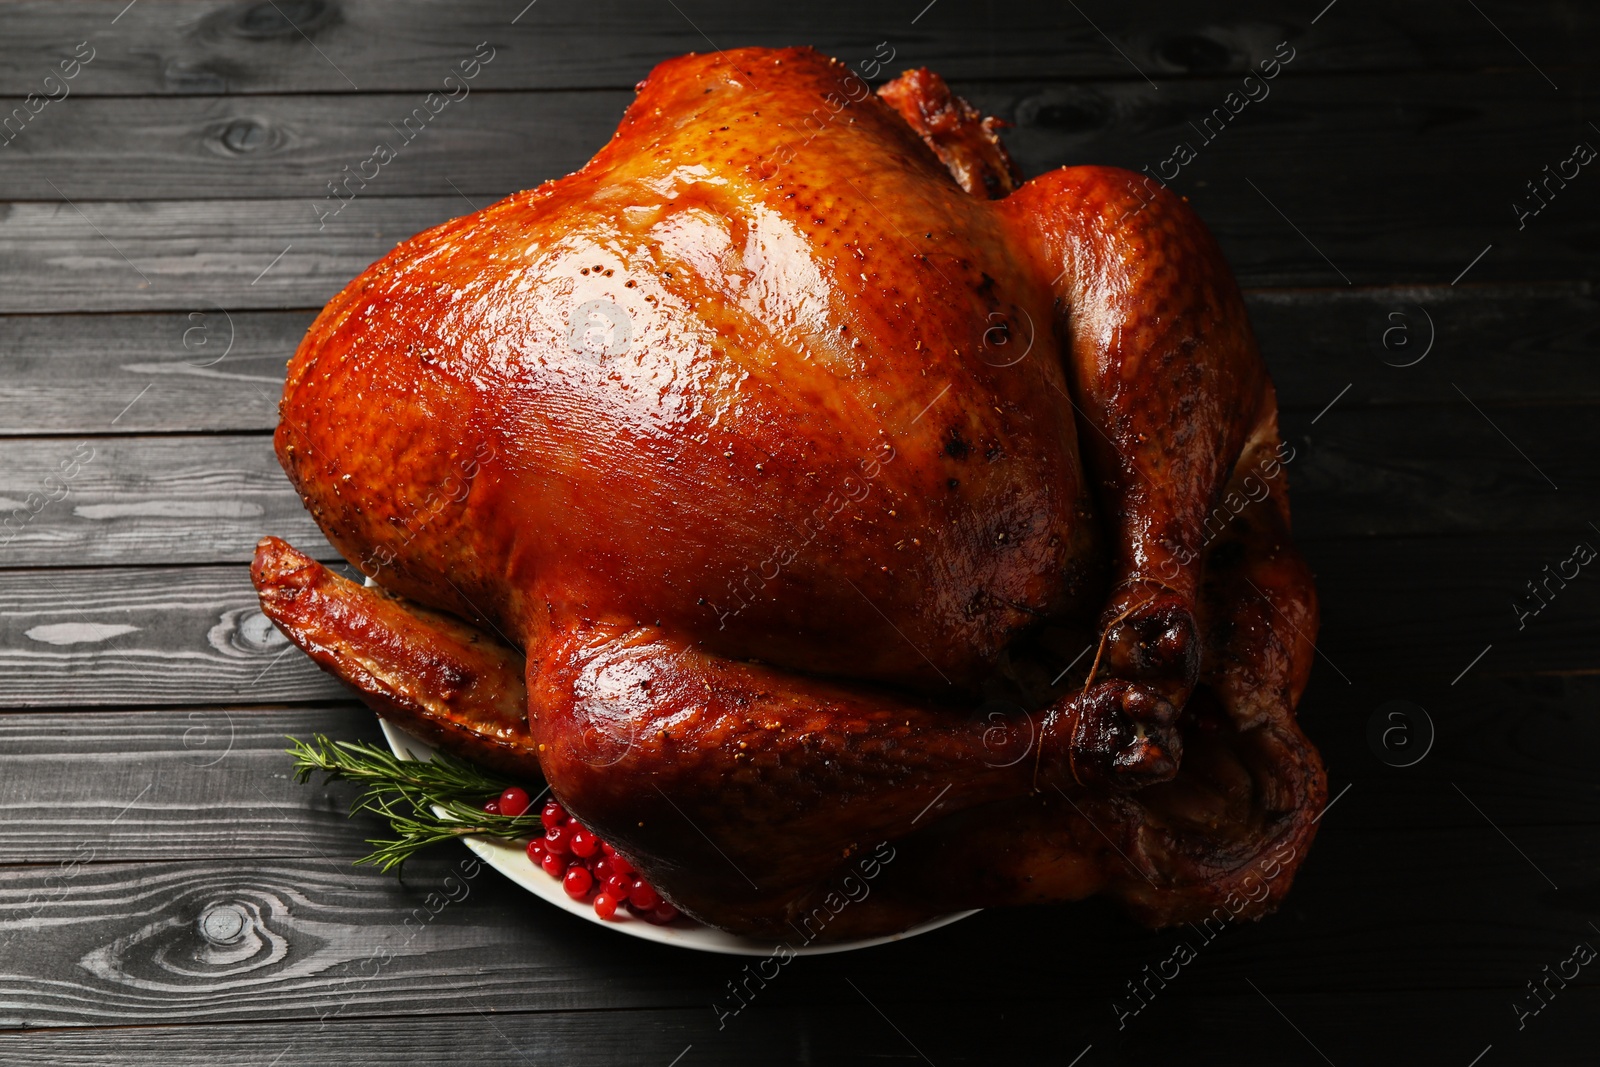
(605, 906)
(558, 839)
(553, 865)
(536, 851)
(577, 882)
(601, 866)
(643, 897)
(514, 801)
(584, 844)
(663, 914)
(618, 885)
(491, 808)
(620, 865)
(553, 815)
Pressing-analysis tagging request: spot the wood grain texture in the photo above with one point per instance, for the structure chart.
(1345, 171)
(151, 635)
(119, 786)
(1501, 345)
(1460, 469)
(160, 499)
(181, 46)
(316, 939)
(205, 370)
(196, 254)
(298, 939)
(213, 370)
(491, 144)
(1184, 1027)
(579, 1038)
(1423, 608)
(1514, 744)
(487, 145)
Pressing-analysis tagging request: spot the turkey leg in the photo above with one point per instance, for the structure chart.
(1166, 382)
(756, 782)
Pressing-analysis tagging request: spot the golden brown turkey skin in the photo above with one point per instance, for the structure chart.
(775, 445)
(807, 439)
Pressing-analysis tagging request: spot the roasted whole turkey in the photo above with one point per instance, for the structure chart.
(793, 479)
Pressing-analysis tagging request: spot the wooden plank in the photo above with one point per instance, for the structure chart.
(492, 144)
(211, 782)
(1318, 224)
(1238, 1028)
(1418, 611)
(1445, 468)
(1515, 746)
(159, 636)
(1501, 345)
(126, 944)
(487, 146)
(1410, 612)
(176, 46)
(576, 1038)
(302, 933)
(203, 370)
(214, 370)
(120, 786)
(161, 499)
(196, 255)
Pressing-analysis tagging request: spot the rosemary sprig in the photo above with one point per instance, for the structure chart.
(424, 802)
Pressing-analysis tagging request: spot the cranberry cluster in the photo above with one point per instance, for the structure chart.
(589, 868)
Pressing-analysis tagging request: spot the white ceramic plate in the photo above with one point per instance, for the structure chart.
(512, 861)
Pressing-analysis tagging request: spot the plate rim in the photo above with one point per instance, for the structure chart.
(512, 863)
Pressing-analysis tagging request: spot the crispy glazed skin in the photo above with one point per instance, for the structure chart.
(777, 447)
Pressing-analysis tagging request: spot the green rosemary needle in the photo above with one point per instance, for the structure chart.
(424, 802)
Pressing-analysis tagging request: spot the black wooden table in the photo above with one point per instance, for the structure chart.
(169, 895)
